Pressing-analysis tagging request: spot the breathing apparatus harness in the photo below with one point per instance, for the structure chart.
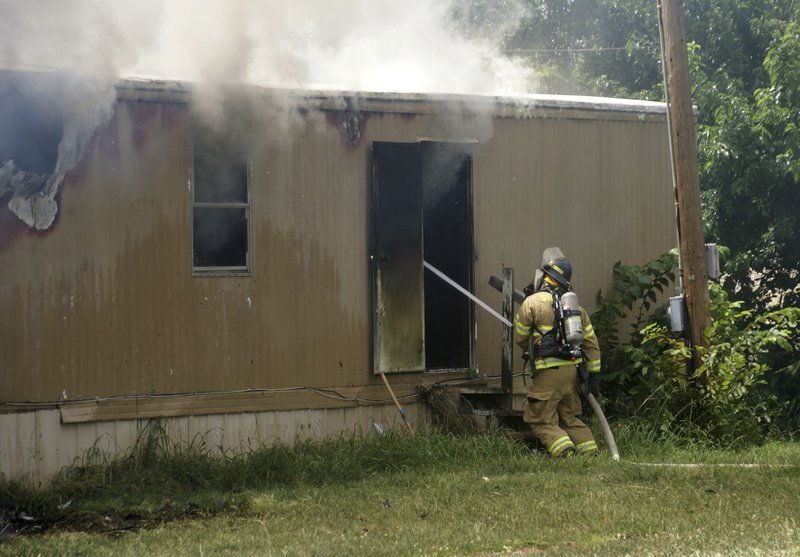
(564, 340)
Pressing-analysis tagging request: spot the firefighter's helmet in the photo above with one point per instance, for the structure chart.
(560, 270)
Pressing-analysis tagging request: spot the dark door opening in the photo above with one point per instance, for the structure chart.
(421, 211)
(447, 245)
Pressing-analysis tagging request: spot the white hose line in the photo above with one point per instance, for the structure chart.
(468, 294)
(706, 465)
(607, 433)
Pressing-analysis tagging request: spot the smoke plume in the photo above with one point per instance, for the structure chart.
(356, 45)
(373, 45)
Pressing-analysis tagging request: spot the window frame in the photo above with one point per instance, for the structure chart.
(221, 271)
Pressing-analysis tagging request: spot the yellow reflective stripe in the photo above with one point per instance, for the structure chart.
(547, 363)
(593, 365)
(544, 329)
(525, 330)
(588, 332)
(521, 328)
(586, 447)
(557, 268)
(560, 444)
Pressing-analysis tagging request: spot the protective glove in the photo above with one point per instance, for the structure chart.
(594, 384)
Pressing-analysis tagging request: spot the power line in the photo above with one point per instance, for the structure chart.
(598, 49)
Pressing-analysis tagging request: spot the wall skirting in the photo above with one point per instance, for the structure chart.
(35, 445)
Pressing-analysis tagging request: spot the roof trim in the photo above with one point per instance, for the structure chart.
(145, 88)
(139, 88)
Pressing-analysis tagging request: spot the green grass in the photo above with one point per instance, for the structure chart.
(433, 494)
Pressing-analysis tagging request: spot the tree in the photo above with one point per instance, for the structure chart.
(744, 59)
(751, 176)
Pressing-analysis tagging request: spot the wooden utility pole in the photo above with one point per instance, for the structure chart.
(685, 171)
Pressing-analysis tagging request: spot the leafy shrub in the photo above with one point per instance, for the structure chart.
(620, 316)
(730, 399)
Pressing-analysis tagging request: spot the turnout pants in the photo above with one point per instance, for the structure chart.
(553, 409)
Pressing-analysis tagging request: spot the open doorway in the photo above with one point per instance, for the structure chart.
(422, 211)
(447, 245)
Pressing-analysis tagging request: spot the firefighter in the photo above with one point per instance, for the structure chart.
(553, 399)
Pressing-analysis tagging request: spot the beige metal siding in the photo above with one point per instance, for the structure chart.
(104, 303)
(87, 304)
(599, 190)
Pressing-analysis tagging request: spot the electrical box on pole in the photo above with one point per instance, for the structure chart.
(683, 142)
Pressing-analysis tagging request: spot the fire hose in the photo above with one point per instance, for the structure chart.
(518, 296)
(607, 433)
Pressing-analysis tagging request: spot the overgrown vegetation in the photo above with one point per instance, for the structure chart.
(159, 480)
(732, 398)
(431, 494)
(621, 313)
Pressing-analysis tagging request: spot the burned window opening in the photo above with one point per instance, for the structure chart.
(422, 210)
(220, 205)
(31, 121)
(31, 129)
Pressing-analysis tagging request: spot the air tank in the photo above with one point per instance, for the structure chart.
(573, 326)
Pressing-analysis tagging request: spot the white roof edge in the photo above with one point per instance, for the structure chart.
(512, 101)
(522, 101)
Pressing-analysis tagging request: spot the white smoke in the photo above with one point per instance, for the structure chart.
(356, 45)
(92, 42)
(373, 45)
(94, 39)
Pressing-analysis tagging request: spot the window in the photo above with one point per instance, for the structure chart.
(220, 206)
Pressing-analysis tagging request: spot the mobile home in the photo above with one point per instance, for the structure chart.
(243, 266)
